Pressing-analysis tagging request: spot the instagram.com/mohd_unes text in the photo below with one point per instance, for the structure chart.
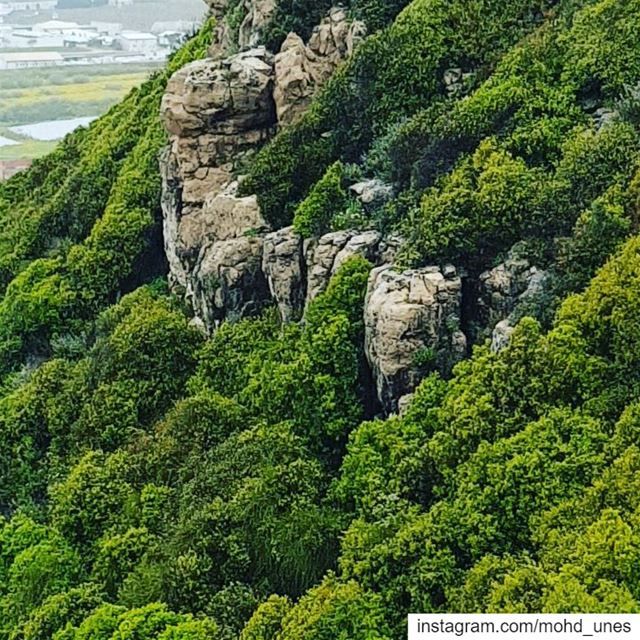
(523, 626)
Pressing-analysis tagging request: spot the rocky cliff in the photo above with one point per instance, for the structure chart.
(229, 263)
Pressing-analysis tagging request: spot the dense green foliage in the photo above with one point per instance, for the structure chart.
(159, 485)
(326, 200)
(76, 228)
(366, 97)
(302, 16)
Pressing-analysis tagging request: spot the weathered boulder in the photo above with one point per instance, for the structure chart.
(255, 15)
(284, 269)
(228, 216)
(220, 97)
(227, 282)
(525, 304)
(258, 15)
(412, 326)
(504, 292)
(299, 270)
(301, 69)
(214, 111)
(501, 336)
(325, 255)
(372, 193)
(500, 289)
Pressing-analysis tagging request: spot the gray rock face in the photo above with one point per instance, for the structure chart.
(503, 293)
(301, 69)
(258, 15)
(299, 270)
(221, 97)
(412, 326)
(325, 255)
(372, 193)
(214, 112)
(227, 281)
(284, 269)
(255, 16)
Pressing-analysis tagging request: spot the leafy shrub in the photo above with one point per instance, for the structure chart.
(327, 199)
(364, 98)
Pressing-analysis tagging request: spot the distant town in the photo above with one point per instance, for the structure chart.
(65, 62)
(58, 42)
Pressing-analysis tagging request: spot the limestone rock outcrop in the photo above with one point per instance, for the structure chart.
(412, 326)
(284, 268)
(372, 193)
(227, 281)
(258, 14)
(301, 69)
(299, 270)
(504, 291)
(214, 111)
(255, 15)
(325, 255)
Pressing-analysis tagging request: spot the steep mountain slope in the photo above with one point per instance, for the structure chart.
(166, 474)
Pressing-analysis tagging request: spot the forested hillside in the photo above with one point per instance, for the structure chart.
(247, 480)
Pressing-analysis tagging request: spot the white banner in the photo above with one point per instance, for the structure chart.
(524, 626)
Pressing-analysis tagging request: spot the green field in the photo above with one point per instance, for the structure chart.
(59, 93)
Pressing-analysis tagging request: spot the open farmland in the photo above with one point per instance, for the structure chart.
(56, 94)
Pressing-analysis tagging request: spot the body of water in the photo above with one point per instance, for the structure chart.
(51, 129)
(6, 142)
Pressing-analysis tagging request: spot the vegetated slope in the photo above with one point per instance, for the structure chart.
(157, 485)
(75, 227)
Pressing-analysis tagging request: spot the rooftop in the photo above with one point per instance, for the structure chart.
(56, 24)
(137, 35)
(32, 56)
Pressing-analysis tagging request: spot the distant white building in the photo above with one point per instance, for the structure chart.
(30, 60)
(59, 27)
(106, 28)
(27, 38)
(120, 3)
(29, 5)
(138, 41)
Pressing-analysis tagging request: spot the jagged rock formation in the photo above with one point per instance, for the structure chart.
(229, 263)
(325, 255)
(258, 13)
(301, 69)
(255, 15)
(227, 280)
(299, 270)
(214, 111)
(283, 265)
(503, 291)
(412, 325)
